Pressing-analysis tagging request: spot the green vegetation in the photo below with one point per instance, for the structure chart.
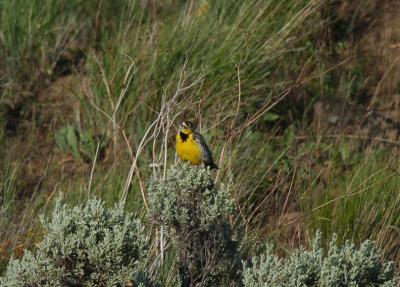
(91, 245)
(297, 100)
(81, 145)
(194, 213)
(84, 246)
(342, 266)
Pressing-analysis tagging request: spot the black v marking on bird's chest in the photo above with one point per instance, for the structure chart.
(184, 136)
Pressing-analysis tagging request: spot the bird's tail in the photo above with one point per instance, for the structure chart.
(212, 165)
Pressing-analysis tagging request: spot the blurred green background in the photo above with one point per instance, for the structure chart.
(299, 101)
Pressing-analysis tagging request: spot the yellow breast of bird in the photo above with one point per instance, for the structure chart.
(187, 149)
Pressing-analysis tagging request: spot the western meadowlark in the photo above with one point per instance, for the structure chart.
(191, 146)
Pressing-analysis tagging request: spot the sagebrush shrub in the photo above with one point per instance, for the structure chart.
(341, 267)
(89, 245)
(194, 213)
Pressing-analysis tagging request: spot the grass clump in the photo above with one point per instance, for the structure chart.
(88, 245)
(344, 265)
(362, 204)
(194, 213)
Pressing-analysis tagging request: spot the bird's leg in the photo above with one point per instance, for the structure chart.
(176, 159)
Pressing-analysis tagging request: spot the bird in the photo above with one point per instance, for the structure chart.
(191, 146)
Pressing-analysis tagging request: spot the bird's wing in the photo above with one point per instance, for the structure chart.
(205, 151)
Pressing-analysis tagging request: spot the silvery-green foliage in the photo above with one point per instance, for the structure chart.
(89, 245)
(301, 268)
(188, 199)
(349, 266)
(194, 212)
(343, 266)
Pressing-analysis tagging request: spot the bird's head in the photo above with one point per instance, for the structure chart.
(186, 127)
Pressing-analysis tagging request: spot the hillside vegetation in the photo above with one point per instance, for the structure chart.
(298, 100)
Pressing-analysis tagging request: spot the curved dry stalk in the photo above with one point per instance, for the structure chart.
(112, 119)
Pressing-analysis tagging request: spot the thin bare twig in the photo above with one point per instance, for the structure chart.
(228, 140)
(112, 119)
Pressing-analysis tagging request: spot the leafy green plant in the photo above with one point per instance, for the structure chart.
(193, 212)
(342, 266)
(81, 144)
(271, 117)
(89, 245)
